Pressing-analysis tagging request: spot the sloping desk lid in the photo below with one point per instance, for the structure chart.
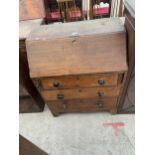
(85, 47)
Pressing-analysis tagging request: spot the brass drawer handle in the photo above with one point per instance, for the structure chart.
(60, 96)
(101, 82)
(101, 94)
(56, 84)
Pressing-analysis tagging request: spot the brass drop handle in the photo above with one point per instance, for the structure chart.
(56, 84)
(60, 96)
(101, 82)
(101, 94)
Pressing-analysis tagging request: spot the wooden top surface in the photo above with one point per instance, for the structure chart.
(86, 47)
(81, 28)
(25, 27)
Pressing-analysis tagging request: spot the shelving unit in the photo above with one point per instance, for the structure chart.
(73, 10)
(101, 8)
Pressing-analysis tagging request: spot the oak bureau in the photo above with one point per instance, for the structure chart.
(79, 66)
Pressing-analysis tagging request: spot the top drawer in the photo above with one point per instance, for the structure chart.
(80, 81)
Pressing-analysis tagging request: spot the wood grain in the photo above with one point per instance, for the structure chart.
(30, 99)
(81, 93)
(85, 105)
(89, 52)
(79, 81)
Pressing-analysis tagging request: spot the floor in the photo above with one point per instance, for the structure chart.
(80, 134)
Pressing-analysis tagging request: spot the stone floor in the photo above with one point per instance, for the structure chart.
(80, 134)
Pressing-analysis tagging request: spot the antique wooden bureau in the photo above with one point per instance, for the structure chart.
(80, 66)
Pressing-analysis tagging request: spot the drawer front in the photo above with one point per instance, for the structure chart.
(81, 93)
(80, 81)
(86, 105)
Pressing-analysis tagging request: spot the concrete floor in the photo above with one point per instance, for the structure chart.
(80, 134)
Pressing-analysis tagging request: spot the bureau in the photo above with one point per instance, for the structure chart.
(80, 66)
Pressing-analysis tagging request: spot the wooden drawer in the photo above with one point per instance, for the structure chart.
(86, 105)
(81, 93)
(80, 81)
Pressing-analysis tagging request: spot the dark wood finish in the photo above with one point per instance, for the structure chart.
(30, 99)
(79, 81)
(79, 65)
(81, 93)
(130, 28)
(32, 9)
(28, 148)
(28, 86)
(22, 91)
(28, 105)
(85, 105)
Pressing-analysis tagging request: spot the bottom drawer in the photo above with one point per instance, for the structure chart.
(85, 105)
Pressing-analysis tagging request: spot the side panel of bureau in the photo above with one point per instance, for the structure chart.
(30, 99)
